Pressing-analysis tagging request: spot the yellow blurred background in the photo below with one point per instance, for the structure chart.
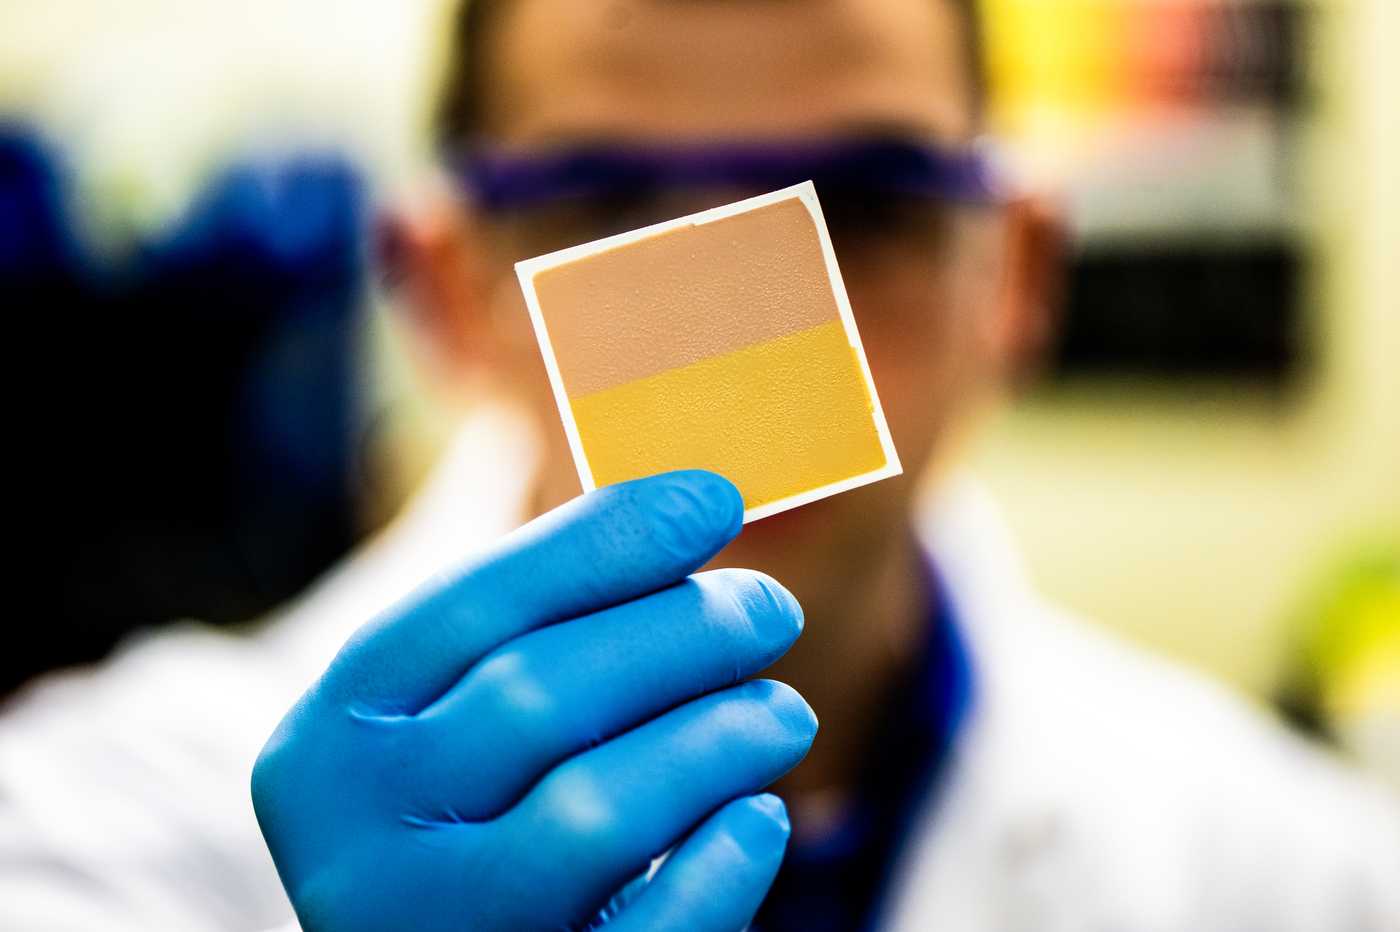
(1196, 516)
(1204, 517)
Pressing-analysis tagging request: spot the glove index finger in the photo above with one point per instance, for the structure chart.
(601, 549)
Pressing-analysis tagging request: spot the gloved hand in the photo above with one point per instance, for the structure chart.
(512, 743)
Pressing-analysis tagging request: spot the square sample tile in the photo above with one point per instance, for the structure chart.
(720, 341)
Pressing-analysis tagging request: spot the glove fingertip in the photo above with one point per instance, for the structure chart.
(714, 496)
(691, 514)
(760, 827)
(772, 806)
(789, 710)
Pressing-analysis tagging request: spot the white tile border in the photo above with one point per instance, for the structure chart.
(807, 194)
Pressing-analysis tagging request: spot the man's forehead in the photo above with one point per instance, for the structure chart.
(675, 70)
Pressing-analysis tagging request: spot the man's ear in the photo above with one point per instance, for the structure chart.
(1025, 329)
(434, 267)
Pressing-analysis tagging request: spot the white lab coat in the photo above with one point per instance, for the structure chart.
(1092, 788)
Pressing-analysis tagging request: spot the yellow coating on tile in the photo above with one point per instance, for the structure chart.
(776, 419)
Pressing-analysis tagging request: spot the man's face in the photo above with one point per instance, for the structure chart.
(680, 72)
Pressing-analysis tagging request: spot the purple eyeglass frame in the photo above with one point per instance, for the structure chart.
(503, 182)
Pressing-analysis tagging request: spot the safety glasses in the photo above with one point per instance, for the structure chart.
(874, 193)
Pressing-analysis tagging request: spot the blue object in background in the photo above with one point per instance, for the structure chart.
(31, 242)
(182, 426)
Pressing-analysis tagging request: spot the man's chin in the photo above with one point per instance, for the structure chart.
(785, 524)
(778, 541)
(832, 541)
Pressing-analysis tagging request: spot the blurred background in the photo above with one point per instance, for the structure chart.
(213, 407)
(1213, 466)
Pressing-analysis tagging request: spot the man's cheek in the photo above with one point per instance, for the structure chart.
(914, 380)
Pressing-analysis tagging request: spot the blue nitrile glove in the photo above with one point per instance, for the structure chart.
(511, 744)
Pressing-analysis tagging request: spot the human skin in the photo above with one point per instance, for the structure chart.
(942, 337)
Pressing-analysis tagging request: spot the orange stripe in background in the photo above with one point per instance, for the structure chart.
(1097, 57)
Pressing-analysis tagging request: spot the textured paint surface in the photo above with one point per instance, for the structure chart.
(688, 294)
(778, 418)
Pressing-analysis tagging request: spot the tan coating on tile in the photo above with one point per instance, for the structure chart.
(689, 294)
